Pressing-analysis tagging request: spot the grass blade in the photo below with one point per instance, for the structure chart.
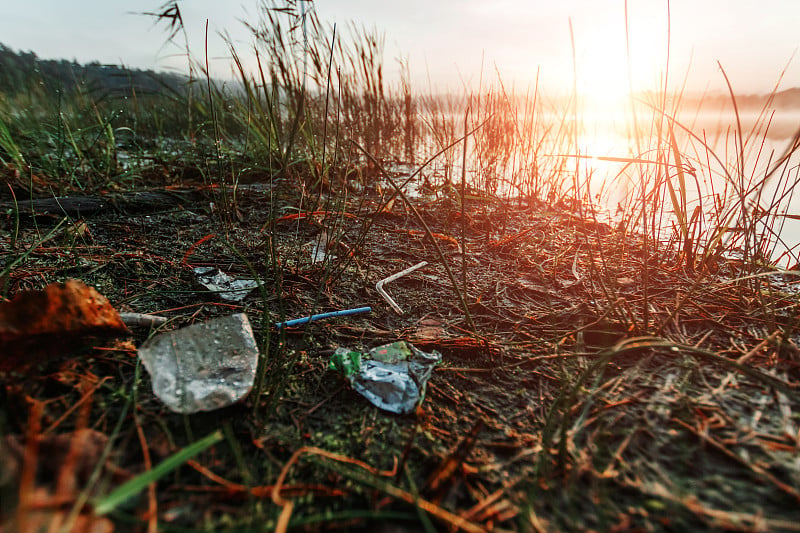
(129, 489)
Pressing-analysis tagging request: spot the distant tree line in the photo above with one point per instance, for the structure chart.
(18, 70)
(786, 99)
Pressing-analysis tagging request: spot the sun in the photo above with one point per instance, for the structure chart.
(602, 79)
(602, 82)
(606, 75)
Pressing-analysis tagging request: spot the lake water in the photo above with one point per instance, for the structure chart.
(712, 152)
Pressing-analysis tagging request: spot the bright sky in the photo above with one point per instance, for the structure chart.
(449, 42)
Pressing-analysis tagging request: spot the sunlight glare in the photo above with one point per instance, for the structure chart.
(602, 82)
(605, 78)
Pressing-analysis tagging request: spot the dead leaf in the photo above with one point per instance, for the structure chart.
(388, 207)
(48, 513)
(63, 465)
(56, 519)
(429, 329)
(36, 325)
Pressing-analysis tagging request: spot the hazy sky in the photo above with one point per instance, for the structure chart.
(447, 41)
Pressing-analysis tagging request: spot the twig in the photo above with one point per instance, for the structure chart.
(142, 320)
(391, 490)
(746, 357)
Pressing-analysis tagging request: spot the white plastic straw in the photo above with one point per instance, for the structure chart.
(381, 283)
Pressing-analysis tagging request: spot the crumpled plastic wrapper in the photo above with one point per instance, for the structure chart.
(228, 288)
(392, 377)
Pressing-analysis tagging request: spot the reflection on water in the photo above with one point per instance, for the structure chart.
(724, 160)
(596, 154)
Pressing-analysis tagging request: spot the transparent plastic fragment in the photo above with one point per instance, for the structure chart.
(228, 288)
(204, 366)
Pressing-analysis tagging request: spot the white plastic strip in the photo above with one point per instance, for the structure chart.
(381, 283)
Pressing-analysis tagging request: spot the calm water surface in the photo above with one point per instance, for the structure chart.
(714, 152)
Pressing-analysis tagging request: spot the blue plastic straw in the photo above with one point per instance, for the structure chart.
(345, 312)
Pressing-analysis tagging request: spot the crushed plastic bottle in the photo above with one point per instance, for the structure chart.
(392, 377)
(202, 367)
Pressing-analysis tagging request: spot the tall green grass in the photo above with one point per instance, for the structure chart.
(80, 137)
(307, 94)
(305, 90)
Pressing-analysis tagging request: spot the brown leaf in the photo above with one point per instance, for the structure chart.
(36, 325)
(429, 329)
(78, 451)
(50, 514)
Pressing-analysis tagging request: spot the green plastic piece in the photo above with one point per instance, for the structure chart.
(392, 377)
(346, 362)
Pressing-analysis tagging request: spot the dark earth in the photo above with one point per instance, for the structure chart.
(597, 382)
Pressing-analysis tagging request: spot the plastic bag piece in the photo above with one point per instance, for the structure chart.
(202, 367)
(346, 362)
(228, 288)
(392, 377)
